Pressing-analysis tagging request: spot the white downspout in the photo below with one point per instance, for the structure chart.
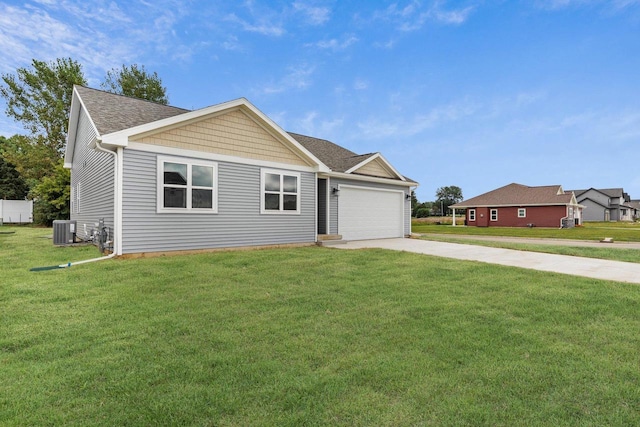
(116, 201)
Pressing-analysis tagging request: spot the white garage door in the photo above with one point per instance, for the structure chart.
(366, 213)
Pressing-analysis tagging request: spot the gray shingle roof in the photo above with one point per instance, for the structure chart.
(338, 158)
(517, 195)
(112, 113)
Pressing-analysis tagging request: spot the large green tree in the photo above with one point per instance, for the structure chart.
(39, 97)
(136, 82)
(447, 196)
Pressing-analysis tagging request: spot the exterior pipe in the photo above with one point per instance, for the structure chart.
(115, 218)
(116, 242)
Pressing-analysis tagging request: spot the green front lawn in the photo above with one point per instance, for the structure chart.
(620, 231)
(309, 336)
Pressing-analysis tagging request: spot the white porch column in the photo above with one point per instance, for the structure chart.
(454, 217)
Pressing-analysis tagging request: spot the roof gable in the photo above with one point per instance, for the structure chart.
(229, 132)
(376, 165)
(520, 195)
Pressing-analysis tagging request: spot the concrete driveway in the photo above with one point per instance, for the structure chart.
(575, 266)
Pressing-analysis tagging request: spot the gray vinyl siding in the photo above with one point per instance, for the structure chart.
(94, 171)
(238, 221)
(334, 200)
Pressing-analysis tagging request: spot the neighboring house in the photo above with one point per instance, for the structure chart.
(517, 205)
(168, 179)
(608, 204)
(635, 204)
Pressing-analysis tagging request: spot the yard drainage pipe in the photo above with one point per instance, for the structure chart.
(69, 264)
(115, 218)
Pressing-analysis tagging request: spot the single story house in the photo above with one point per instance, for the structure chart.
(606, 204)
(517, 205)
(168, 179)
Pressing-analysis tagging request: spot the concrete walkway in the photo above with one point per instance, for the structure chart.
(575, 266)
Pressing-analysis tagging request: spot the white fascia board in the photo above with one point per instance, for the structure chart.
(121, 138)
(74, 116)
(372, 158)
(353, 177)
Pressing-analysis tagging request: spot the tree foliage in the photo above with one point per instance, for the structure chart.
(40, 98)
(136, 82)
(12, 185)
(447, 196)
(52, 196)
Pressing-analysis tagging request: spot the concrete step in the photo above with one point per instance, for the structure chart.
(329, 243)
(325, 237)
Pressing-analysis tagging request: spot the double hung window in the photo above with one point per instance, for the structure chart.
(187, 186)
(280, 192)
(522, 213)
(472, 214)
(494, 214)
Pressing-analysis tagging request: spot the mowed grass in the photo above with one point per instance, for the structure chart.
(309, 336)
(619, 231)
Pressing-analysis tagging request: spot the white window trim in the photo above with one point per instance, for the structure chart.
(75, 199)
(491, 214)
(472, 214)
(522, 212)
(282, 173)
(190, 163)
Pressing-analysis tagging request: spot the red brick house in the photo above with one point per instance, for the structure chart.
(517, 205)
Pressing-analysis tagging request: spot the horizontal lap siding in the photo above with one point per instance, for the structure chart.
(334, 200)
(539, 216)
(237, 223)
(94, 170)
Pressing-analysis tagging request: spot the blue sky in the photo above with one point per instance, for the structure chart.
(474, 93)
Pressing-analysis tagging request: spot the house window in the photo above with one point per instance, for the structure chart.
(494, 214)
(522, 213)
(280, 192)
(472, 214)
(75, 199)
(187, 186)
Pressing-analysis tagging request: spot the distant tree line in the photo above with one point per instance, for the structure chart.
(39, 97)
(445, 197)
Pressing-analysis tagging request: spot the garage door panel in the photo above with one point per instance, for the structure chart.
(366, 213)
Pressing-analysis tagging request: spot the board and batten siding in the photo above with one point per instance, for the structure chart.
(238, 222)
(334, 200)
(92, 182)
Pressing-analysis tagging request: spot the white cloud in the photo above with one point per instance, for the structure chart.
(263, 26)
(360, 84)
(315, 15)
(413, 16)
(335, 44)
(298, 77)
(377, 127)
(99, 35)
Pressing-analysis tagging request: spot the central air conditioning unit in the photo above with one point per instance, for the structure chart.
(64, 232)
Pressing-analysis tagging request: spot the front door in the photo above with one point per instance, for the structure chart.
(482, 217)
